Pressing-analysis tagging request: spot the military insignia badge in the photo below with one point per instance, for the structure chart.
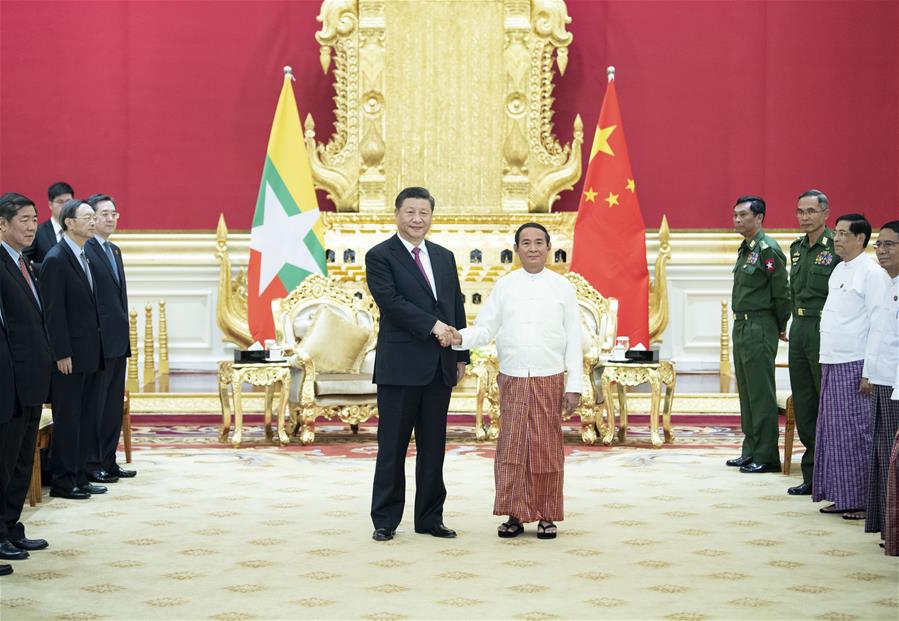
(764, 245)
(824, 258)
(769, 265)
(753, 258)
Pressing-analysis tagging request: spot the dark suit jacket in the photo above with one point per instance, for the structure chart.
(31, 354)
(71, 310)
(44, 239)
(7, 379)
(112, 299)
(407, 353)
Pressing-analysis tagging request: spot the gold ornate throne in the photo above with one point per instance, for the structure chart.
(465, 110)
(348, 395)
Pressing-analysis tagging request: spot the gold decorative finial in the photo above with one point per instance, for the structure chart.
(132, 383)
(163, 341)
(149, 362)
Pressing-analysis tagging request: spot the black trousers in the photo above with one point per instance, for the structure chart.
(17, 438)
(111, 391)
(400, 410)
(75, 415)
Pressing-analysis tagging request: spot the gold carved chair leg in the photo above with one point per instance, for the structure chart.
(609, 404)
(666, 412)
(237, 391)
(126, 427)
(789, 429)
(35, 493)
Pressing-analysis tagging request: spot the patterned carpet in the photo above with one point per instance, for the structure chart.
(268, 533)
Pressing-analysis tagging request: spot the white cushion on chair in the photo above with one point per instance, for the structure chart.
(782, 396)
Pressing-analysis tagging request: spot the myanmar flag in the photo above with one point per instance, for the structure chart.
(287, 240)
(609, 247)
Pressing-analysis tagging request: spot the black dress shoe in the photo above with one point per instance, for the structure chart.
(101, 476)
(437, 531)
(29, 544)
(90, 488)
(800, 490)
(383, 534)
(739, 462)
(76, 493)
(9, 552)
(755, 468)
(5, 570)
(122, 473)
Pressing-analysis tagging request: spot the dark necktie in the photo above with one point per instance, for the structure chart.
(112, 263)
(27, 278)
(416, 252)
(87, 270)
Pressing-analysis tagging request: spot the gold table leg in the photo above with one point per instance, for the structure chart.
(622, 416)
(609, 403)
(655, 385)
(267, 411)
(225, 399)
(238, 413)
(282, 407)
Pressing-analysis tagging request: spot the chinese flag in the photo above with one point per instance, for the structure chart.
(609, 236)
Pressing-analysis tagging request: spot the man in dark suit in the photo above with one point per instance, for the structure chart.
(416, 287)
(67, 286)
(32, 364)
(112, 302)
(49, 232)
(7, 402)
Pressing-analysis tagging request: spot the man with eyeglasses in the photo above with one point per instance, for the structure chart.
(881, 361)
(812, 259)
(112, 303)
(49, 232)
(843, 434)
(68, 286)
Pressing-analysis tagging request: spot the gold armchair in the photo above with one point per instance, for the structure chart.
(599, 327)
(349, 396)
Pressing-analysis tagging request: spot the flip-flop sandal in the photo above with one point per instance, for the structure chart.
(543, 531)
(513, 529)
(854, 514)
(831, 509)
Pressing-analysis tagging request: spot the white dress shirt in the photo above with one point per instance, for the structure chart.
(854, 289)
(425, 261)
(57, 229)
(882, 352)
(536, 323)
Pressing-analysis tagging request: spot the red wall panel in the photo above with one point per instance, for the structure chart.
(168, 105)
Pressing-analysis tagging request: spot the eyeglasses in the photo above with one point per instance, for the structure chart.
(885, 244)
(807, 212)
(109, 215)
(86, 218)
(841, 233)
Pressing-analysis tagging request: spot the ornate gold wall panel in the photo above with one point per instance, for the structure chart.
(454, 95)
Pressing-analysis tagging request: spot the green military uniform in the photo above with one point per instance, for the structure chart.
(810, 270)
(761, 304)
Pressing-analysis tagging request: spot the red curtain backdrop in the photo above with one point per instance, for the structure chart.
(167, 105)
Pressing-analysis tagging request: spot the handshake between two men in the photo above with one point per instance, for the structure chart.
(446, 335)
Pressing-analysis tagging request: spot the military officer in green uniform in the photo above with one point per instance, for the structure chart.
(761, 305)
(812, 259)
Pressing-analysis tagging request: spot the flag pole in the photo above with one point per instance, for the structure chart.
(610, 71)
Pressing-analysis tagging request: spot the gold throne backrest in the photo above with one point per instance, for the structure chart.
(453, 95)
(599, 317)
(294, 314)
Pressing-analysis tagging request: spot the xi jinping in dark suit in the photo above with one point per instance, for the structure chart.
(416, 286)
(32, 364)
(112, 303)
(73, 323)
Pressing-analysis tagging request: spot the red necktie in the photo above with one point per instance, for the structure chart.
(421, 268)
(26, 276)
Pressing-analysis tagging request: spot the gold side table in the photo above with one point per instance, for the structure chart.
(626, 374)
(271, 375)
